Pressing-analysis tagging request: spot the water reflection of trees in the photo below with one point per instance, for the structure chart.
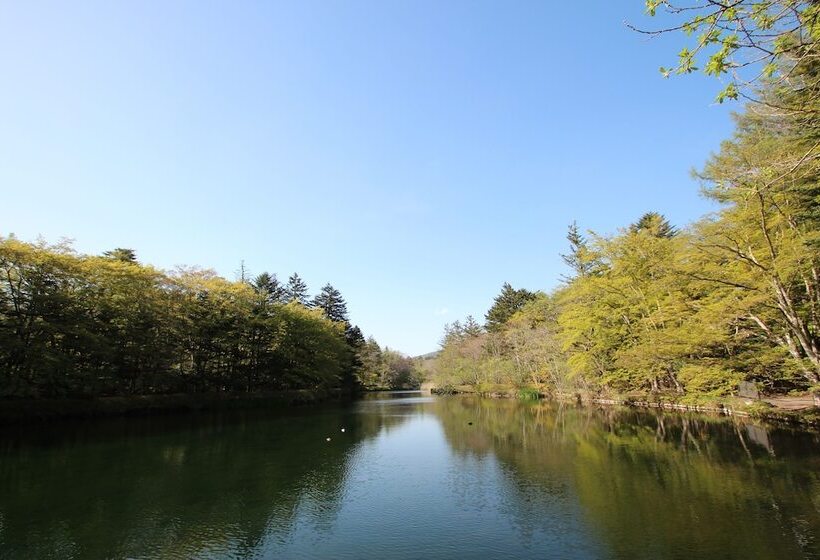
(174, 487)
(651, 484)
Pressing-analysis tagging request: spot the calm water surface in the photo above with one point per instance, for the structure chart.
(411, 477)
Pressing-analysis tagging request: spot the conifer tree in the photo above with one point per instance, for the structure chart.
(268, 285)
(505, 305)
(331, 302)
(471, 327)
(296, 290)
(654, 224)
(121, 254)
(579, 258)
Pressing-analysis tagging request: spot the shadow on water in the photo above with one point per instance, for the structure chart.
(209, 484)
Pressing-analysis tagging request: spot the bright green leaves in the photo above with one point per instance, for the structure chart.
(750, 40)
(761, 16)
(686, 61)
(729, 92)
(652, 6)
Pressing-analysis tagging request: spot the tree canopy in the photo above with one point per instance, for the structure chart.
(82, 325)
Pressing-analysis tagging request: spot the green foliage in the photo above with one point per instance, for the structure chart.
(745, 42)
(296, 290)
(505, 305)
(654, 224)
(332, 304)
(709, 380)
(580, 259)
(528, 394)
(383, 369)
(120, 254)
(74, 325)
(269, 288)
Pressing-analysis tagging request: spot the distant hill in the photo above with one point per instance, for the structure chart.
(429, 355)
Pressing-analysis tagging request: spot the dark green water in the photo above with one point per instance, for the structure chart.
(411, 477)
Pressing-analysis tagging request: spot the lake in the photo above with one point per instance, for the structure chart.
(411, 476)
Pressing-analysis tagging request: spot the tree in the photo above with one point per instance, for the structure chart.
(654, 224)
(761, 251)
(353, 335)
(452, 331)
(471, 327)
(401, 372)
(269, 287)
(765, 241)
(580, 259)
(746, 42)
(331, 302)
(505, 305)
(120, 254)
(296, 290)
(371, 374)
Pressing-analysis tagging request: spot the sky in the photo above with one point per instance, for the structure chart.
(416, 155)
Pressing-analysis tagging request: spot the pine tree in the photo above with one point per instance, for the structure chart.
(453, 332)
(654, 224)
(268, 285)
(471, 327)
(330, 301)
(354, 337)
(296, 290)
(579, 258)
(505, 305)
(121, 254)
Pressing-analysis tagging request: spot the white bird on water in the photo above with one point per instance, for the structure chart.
(343, 429)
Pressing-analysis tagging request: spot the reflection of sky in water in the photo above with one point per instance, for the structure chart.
(412, 476)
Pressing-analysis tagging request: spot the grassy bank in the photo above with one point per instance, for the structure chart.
(28, 410)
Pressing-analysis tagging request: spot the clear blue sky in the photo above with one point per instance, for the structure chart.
(415, 154)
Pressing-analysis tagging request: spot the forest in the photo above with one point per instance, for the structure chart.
(689, 310)
(74, 325)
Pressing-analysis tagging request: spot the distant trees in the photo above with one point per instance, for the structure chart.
(386, 369)
(520, 351)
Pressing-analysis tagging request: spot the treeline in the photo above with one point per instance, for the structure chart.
(79, 325)
(734, 296)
